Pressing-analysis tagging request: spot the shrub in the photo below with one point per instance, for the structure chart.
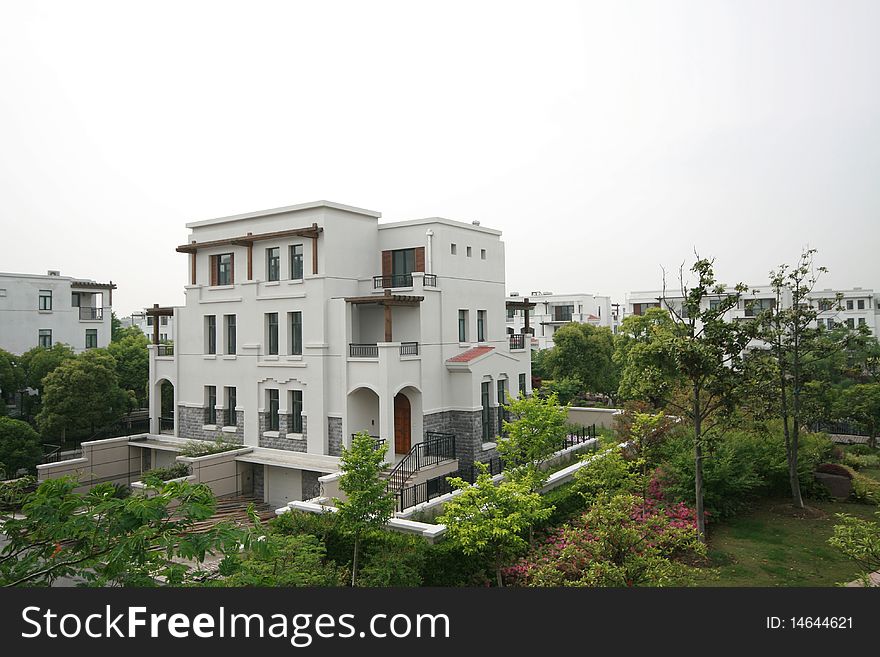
(14, 492)
(607, 474)
(447, 565)
(286, 560)
(835, 469)
(175, 471)
(194, 448)
(20, 447)
(865, 489)
(861, 449)
(859, 461)
(393, 560)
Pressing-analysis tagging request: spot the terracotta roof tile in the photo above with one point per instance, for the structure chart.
(470, 354)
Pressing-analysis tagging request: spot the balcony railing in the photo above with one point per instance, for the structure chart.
(363, 350)
(517, 340)
(409, 348)
(164, 349)
(397, 280)
(430, 280)
(87, 312)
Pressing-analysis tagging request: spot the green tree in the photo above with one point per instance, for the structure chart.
(132, 364)
(489, 521)
(788, 328)
(647, 370)
(41, 361)
(535, 432)
(82, 395)
(861, 403)
(585, 353)
(104, 539)
(368, 504)
(11, 376)
(284, 560)
(20, 446)
(860, 541)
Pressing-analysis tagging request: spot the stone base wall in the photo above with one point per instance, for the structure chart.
(468, 429)
(259, 484)
(292, 442)
(190, 421)
(334, 436)
(311, 487)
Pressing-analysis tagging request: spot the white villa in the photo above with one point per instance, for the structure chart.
(306, 324)
(550, 311)
(41, 310)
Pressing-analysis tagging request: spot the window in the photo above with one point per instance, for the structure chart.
(522, 385)
(210, 334)
(714, 304)
(230, 420)
(296, 405)
(222, 270)
(485, 398)
(272, 334)
(74, 299)
(483, 254)
(481, 326)
(210, 404)
(230, 334)
(563, 313)
(453, 248)
(163, 336)
(296, 262)
(163, 320)
(273, 264)
(45, 302)
(502, 399)
(640, 308)
(851, 323)
(272, 406)
(830, 323)
(861, 321)
(511, 313)
(861, 304)
(462, 325)
(45, 339)
(91, 338)
(469, 252)
(403, 263)
(755, 307)
(149, 320)
(849, 304)
(296, 333)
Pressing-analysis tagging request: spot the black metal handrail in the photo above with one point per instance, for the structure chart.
(409, 348)
(430, 280)
(435, 449)
(88, 312)
(409, 496)
(395, 280)
(379, 442)
(363, 350)
(517, 341)
(164, 349)
(578, 436)
(166, 423)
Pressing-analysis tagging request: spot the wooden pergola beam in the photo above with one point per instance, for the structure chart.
(312, 232)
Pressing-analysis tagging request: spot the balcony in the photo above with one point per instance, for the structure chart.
(402, 280)
(363, 350)
(164, 350)
(409, 348)
(88, 313)
(517, 341)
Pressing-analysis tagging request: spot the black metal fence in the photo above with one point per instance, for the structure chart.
(579, 435)
(363, 350)
(436, 448)
(397, 280)
(517, 341)
(423, 492)
(841, 427)
(430, 280)
(409, 348)
(165, 350)
(89, 313)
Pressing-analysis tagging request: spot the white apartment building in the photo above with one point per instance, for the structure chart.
(306, 324)
(550, 311)
(854, 307)
(42, 310)
(146, 323)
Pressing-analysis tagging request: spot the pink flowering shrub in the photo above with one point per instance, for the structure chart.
(626, 540)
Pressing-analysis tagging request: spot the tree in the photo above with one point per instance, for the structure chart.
(535, 432)
(692, 362)
(489, 520)
(41, 361)
(859, 540)
(132, 363)
(104, 539)
(861, 403)
(20, 446)
(585, 353)
(788, 328)
(82, 395)
(369, 505)
(11, 376)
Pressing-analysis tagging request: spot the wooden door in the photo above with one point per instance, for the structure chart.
(402, 424)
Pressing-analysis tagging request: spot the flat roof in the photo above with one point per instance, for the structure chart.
(295, 460)
(287, 208)
(442, 221)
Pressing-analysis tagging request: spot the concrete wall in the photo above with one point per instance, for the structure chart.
(111, 460)
(585, 417)
(219, 471)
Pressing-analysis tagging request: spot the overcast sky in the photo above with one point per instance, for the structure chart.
(605, 139)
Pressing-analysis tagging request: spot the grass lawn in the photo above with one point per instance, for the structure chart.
(767, 548)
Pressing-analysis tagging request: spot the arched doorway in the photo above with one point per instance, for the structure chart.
(402, 424)
(165, 393)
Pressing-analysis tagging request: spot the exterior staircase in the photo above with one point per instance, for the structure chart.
(435, 453)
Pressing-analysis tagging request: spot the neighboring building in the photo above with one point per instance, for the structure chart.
(44, 310)
(853, 308)
(554, 310)
(145, 322)
(306, 324)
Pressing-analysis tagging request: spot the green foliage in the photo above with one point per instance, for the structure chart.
(535, 432)
(859, 540)
(141, 540)
(540, 363)
(861, 403)
(14, 492)
(82, 395)
(283, 560)
(196, 448)
(132, 362)
(368, 504)
(566, 390)
(609, 473)
(175, 471)
(865, 489)
(39, 362)
(583, 353)
(20, 446)
(641, 352)
(739, 468)
(489, 520)
(11, 375)
(859, 461)
(397, 562)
